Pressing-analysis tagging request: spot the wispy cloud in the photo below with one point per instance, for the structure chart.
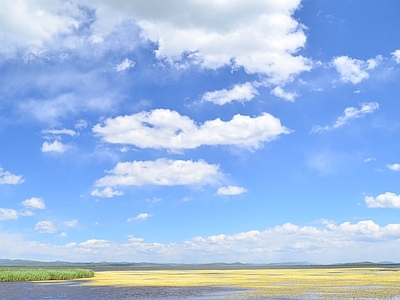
(107, 192)
(369, 159)
(72, 223)
(60, 132)
(240, 92)
(139, 217)
(349, 114)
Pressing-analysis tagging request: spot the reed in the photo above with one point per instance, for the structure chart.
(43, 274)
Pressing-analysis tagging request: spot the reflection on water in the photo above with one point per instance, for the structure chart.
(74, 291)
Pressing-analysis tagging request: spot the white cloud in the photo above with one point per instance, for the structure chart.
(60, 131)
(61, 105)
(45, 227)
(165, 172)
(240, 92)
(26, 213)
(323, 243)
(387, 200)
(369, 159)
(94, 243)
(396, 56)
(231, 190)
(124, 65)
(163, 128)
(72, 223)
(154, 200)
(354, 70)
(394, 167)
(141, 216)
(279, 92)
(8, 214)
(55, 146)
(107, 192)
(8, 178)
(260, 36)
(81, 124)
(31, 23)
(34, 203)
(349, 114)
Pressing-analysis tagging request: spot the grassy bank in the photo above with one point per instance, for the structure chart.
(343, 283)
(7, 275)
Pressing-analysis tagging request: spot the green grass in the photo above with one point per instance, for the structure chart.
(7, 275)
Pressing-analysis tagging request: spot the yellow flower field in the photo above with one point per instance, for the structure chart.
(340, 283)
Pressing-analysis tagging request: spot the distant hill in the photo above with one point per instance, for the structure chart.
(109, 266)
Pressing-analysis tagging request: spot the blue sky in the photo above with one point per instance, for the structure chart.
(186, 131)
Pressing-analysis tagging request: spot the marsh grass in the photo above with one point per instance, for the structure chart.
(7, 275)
(357, 283)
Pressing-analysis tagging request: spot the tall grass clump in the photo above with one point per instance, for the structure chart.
(43, 274)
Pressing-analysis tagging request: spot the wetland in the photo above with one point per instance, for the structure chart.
(223, 282)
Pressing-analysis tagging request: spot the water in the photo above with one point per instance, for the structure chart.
(75, 291)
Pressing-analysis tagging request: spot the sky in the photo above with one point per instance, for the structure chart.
(186, 131)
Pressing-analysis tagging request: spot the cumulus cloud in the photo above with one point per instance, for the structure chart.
(8, 214)
(349, 114)
(240, 92)
(164, 172)
(45, 227)
(279, 92)
(261, 37)
(7, 177)
(163, 128)
(387, 200)
(141, 216)
(107, 192)
(124, 65)
(55, 146)
(322, 243)
(231, 190)
(396, 56)
(34, 203)
(394, 167)
(31, 23)
(354, 70)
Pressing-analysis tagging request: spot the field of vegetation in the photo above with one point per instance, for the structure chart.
(7, 275)
(318, 283)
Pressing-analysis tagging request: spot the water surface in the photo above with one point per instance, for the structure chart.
(75, 291)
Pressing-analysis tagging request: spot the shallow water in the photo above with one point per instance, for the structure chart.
(75, 291)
